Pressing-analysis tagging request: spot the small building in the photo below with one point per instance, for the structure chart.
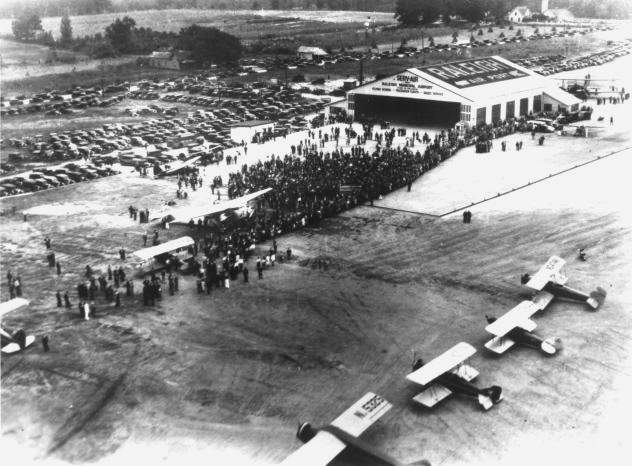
(518, 14)
(245, 131)
(559, 14)
(169, 60)
(349, 83)
(309, 53)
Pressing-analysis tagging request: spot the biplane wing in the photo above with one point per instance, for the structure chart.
(325, 446)
(12, 305)
(551, 271)
(184, 214)
(442, 364)
(9, 343)
(436, 392)
(542, 299)
(519, 316)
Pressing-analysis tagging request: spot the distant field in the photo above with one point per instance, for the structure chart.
(239, 23)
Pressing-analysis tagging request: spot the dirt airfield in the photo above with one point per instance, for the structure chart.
(225, 379)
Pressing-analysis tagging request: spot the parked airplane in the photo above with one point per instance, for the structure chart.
(322, 445)
(173, 168)
(187, 213)
(550, 281)
(516, 326)
(447, 374)
(18, 340)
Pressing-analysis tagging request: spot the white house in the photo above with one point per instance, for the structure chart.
(309, 53)
(559, 14)
(518, 14)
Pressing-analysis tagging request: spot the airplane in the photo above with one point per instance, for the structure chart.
(516, 326)
(447, 374)
(187, 213)
(18, 340)
(173, 168)
(322, 445)
(550, 282)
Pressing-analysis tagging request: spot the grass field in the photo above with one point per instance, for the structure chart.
(239, 23)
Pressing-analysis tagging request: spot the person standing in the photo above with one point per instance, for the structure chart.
(17, 284)
(245, 273)
(45, 344)
(58, 296)
(58, 265)
(67, 300)
(144, 239)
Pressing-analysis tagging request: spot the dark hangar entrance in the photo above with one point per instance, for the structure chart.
(406, 111)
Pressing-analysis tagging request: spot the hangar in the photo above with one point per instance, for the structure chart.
(474, 91)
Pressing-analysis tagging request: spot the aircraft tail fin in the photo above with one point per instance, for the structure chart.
(597, 298)
(551, 346)
(488, 397)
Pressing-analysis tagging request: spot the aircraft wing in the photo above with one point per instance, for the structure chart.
(362, 414)
(319, 451)
(12, 305)
(184, 214)
(442, 364)
(177, 166)
(549, 272)
(519, 316)
(542, 299)
(325, 446)
(432, 395)
(499, 344)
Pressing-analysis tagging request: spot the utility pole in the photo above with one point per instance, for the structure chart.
(361, 71)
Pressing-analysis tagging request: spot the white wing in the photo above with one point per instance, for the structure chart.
(499, 344)
(176, 166)
(442, 364)
(325, 446)
(362, 414)
(465, 372)
(319, 451)
(153, 251)
(549, 272)
(519, 316)
(542, 299)
(12, 305)
(184, 214)
(432, 395)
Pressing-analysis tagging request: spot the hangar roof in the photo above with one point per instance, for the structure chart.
(474, 80)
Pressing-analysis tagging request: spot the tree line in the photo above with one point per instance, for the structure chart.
(122, 37)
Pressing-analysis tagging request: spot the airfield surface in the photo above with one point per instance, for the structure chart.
(225, 379)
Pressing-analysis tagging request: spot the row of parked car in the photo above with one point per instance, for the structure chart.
(549, 64)
(50, 177)
(63, 102)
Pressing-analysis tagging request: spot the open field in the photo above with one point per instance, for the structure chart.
(20, 61)
(224, 379)
(242, 22)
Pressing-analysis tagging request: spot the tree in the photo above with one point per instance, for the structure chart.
(121, 34)
(26, 26)
(412, 12)
(210, 44)
(65, 29)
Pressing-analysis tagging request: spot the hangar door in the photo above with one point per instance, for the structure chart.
(408, 111)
